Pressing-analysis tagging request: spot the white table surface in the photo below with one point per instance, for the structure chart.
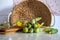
(6, 7)
(31, 36)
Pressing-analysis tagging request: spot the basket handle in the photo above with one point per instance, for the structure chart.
(51, 25)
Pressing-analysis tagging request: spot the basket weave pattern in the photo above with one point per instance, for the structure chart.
(27, 10)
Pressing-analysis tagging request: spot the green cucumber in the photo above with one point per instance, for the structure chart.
(25, 29)
(31, 30)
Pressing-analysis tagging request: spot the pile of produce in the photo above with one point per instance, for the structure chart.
(31, 27)
(34, 27)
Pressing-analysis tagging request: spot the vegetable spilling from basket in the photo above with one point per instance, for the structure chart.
(50, 30)
(32, 27)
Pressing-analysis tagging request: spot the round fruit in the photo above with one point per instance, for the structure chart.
(37, 30)
(31, 30)
(25, 29)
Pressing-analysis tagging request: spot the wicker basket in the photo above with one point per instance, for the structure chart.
(27, 10)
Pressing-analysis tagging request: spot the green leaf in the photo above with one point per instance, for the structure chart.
(35, 25)
(33, 21)
(37, 19)
(29, 25)
(25, 24)
(42, 23)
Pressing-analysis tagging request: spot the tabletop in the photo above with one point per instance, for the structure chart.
(30, 36)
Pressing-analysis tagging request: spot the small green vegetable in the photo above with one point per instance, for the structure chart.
(35, 25)
(47, 29)
(29, 25)
(25, 24)
(50, 30)
(37, 30)
(25, 29)
(31, 30)
(35, 20)
(53, 31)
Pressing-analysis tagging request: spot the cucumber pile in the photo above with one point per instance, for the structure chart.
(31, 27)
